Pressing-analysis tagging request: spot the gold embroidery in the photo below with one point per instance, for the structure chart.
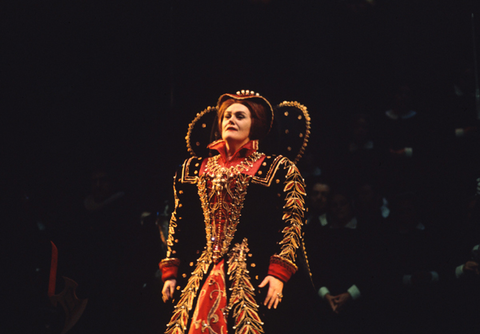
(179, 319)
(212, 317)
(215, 170)
(186, 178)
(222, 193)
(272, 170)
(293, 212)
(242, 300)
(173, 220)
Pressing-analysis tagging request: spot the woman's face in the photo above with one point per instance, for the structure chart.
(236, 124)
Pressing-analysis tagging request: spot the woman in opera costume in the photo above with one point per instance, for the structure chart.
(230, 271)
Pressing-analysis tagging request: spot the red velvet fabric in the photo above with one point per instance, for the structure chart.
(280, 269)
(169, 268)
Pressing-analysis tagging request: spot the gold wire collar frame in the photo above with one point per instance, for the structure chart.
(192, 125)
(303, 112)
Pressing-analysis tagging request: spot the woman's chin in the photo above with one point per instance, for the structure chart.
(232, 139)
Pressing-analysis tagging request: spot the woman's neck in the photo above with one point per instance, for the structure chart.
(233, 146)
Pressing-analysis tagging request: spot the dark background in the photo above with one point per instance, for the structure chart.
(120, 80)
(116, 83)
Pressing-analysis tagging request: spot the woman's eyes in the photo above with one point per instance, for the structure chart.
(239, 116)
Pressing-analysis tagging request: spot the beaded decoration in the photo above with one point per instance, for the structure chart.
(214, 169)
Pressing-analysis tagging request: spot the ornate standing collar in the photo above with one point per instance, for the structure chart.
(213, 168)
(244, 151)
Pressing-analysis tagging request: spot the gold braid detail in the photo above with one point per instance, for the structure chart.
(173, 220)
(213, 168)
(222, 193)
(293, 212)
(179, 320)
(242, 300)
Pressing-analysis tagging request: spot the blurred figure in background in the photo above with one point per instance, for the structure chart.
(358, 152)
(411, 263)
(318, 196)
(405, 138)
(342, 259)
(463, 294)
(371, 206)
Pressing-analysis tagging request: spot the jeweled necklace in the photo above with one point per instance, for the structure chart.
(213, 168)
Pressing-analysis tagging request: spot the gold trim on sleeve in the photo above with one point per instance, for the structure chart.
(293, 212)
(173, 220)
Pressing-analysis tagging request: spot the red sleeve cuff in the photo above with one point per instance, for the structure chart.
(169, 268)
(281, 268)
